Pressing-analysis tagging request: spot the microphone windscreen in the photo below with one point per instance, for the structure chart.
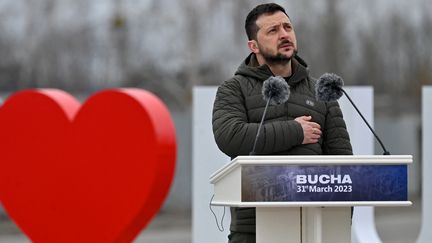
(276, 89)
(329, 87)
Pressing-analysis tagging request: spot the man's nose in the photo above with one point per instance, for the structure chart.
(283, 34)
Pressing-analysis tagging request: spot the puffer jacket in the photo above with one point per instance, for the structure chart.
(238, 109)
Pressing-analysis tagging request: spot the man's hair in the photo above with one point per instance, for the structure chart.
(250, 24)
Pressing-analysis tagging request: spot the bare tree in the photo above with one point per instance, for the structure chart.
(334, 47)
(170, 46)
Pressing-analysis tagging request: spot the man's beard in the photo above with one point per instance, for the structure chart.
(276, 59)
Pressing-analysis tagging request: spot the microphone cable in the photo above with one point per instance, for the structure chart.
(221, 227)
(386, 152)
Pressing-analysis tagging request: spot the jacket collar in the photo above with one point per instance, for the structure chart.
(250, 67)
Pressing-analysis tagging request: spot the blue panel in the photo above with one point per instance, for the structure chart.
(292, 183)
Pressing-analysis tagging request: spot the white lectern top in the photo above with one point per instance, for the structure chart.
(312, 181)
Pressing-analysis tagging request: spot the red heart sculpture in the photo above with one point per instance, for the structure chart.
(92, 173)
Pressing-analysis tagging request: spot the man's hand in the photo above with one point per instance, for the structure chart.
(311, 130)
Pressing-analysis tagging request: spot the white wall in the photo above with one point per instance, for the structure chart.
(206, 159)
(426, 228)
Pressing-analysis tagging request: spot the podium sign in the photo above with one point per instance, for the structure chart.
(295, 195)
(324, 183)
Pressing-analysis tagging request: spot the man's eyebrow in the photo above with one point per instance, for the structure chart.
(271, 25)
(274, 25)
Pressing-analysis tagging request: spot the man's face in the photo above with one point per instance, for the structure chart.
(276, 38)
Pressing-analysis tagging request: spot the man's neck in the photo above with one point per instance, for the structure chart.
(284, 70)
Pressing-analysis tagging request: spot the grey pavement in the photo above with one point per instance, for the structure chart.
(394, 225)
(164, 228)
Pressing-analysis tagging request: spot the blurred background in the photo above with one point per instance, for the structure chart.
(170, 46)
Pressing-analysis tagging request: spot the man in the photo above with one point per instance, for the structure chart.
(300, 126)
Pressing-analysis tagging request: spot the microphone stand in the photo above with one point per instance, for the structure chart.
(386, 152)
(259, 127)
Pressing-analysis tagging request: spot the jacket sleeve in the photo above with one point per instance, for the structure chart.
(336, 140)
(234, 134)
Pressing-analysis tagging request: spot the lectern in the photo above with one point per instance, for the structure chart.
(308, 199)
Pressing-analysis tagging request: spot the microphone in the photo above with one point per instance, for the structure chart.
(275, 91)
(329, 88)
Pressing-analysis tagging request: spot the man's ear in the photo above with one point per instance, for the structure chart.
(253, 46)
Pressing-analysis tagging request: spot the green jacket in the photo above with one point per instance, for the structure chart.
(238, 109)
